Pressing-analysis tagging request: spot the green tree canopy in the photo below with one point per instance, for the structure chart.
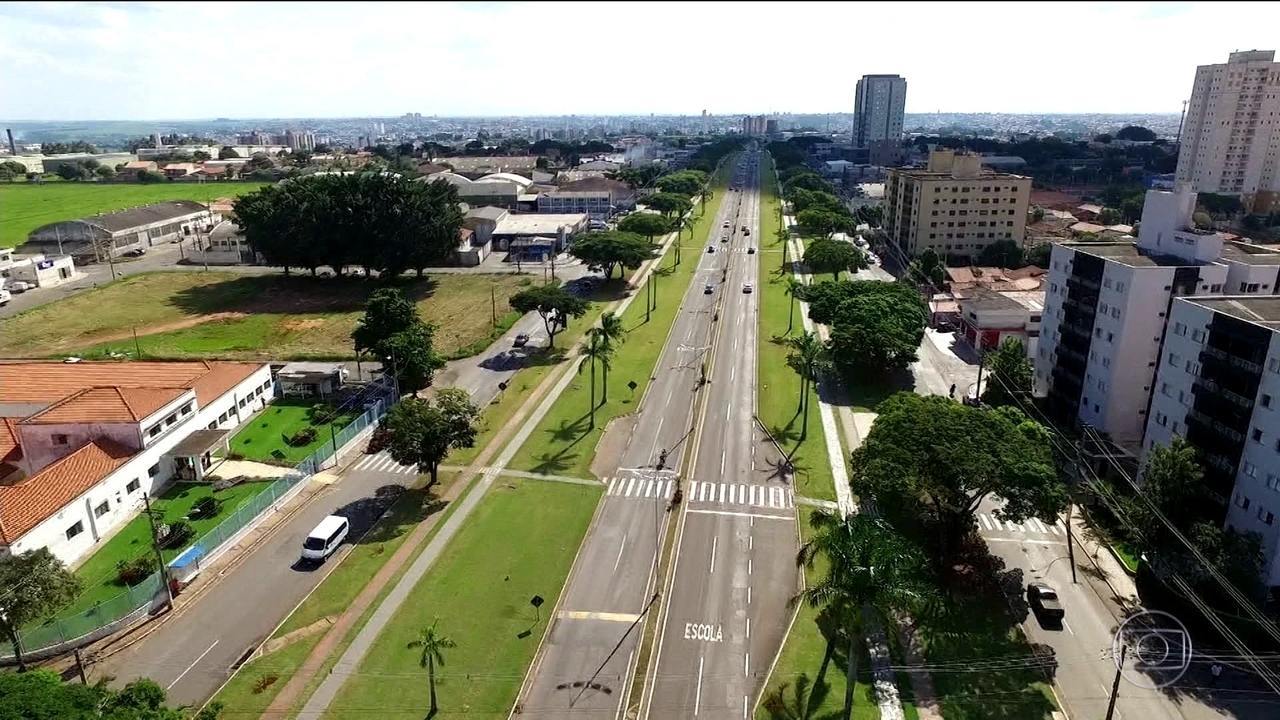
(1002, 254)
(392, 331)
(105, 172)
(806, 180)
(668, 203)
(34, 583)
(649, 225)
(929, 268)
(875, 326)
(1008, 375)
(603, 251)
(684, 182)
(834, 256)
(821, 222)
(553, 303)
(1135, 133)
(939, 459)
(42, 695)
(422, 432)
(228, 153)
(802, 200)
(386, 313)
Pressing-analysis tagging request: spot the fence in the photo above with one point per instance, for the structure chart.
(63, 633)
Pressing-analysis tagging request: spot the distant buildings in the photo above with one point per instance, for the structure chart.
(879, 103)
(300, 139)
(1231, 136)
(754, 125)
(954, 206)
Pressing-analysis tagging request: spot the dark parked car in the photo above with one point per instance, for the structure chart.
(1044, 601)
(521, 340)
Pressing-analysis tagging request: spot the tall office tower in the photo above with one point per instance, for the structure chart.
(1230, 140)
(878, 105)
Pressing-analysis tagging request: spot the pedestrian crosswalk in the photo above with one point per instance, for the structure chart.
(640, 487)
(1031, 526)
(382, 462)
(761, 496)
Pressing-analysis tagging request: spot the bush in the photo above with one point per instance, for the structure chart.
(301, 438)
(206, 507)
(175, 534)
(132, 572)
(319, 413)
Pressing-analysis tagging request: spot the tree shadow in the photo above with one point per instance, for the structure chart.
(294, 294)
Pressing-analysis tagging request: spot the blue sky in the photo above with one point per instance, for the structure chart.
(116, 60)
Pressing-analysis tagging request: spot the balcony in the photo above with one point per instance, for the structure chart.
(1208, 354)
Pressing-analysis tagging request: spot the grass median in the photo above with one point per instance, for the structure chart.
(564, 442)
(520, 542)
(778, 394)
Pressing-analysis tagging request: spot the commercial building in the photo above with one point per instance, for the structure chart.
(92, 238)
(879, 103)
(1230, 142)
(955, 206)
(498, 189)
(1108, 302)
(224, 245)
(989, 317)
(536, 236)
(81, 442)
(35, 270)
(1218, 386)
(599, 197)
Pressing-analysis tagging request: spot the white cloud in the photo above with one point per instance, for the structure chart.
(184, 60)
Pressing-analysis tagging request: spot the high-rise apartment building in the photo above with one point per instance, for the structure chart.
(955, 206)
(300, 139)
(1107, 305)
(879, 102)
(1230, 141)
(754, 125)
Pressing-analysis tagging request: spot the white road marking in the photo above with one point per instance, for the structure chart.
(748, 594)
(722, 486)
(193, 664)
(766, 516)
(748, 628)
(723, 453)
(702, 492)
(986, 524)
(1040, 526)
(996, 521)
(648, 488)
(751, 541)
(631, 483)
(744, 707)
(1067, 627)
(1054, 529)
(746, 664)
(1020, 540)
(697, 699)
(621, 547)
(748, 566)
(714, 542)
(611, 617)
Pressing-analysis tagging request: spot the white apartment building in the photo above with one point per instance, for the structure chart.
(81, 442)
(1218, 386)
(1230, 140)
(954, 205)
(879, 102)
(1107, 305)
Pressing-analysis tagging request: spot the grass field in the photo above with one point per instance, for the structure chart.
(98, 573)
(254, 687)
(263, 438)
(520, 542)
(564, 442)
(778, 391)
(27, 206)
(224, 315)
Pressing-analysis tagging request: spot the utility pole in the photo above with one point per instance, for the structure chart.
(977, 389)
(1115, 684)
(1071, 550)
(493, 306)
(137, 351)
(647, 278)
(155, 545)
(80, 667)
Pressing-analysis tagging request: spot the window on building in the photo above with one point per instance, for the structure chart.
(59, 439)
(1266, 400)
(222, 418)
(1111, 337)
(103, 508)
(1162, 420)
(1215, 288)
(75, 530)
(155, 430)
(1115, 313)
(1241, 501)
(1265, 516)
(1256, 435)
(133, 486)
(1179, 329)
(1107, 283)
(1175, 359)
(1273, 482)
(1198, 336)
(1119, 286)
(1250, 470)
(186, 409)
(154, 470)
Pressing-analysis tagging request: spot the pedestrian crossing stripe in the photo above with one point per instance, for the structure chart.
(640, 487)
(764, 496)
(382, 462)
(1029, 526)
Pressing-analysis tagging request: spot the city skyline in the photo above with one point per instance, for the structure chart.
(115, 61)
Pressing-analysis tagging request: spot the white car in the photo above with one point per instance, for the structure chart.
(20, 286)
(747, 288)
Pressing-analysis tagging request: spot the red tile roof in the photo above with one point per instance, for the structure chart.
(107, 404)
(50, 382)
(27, 503)
(10, 450)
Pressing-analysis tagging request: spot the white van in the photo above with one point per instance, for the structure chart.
(325, 538)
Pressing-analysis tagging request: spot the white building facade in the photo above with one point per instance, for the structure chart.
(879, 103)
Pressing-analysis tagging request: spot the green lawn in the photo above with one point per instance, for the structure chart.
(98, 573)
(778, 390)
(564, 442)
(520, 542)
(1127, 558)
(805, 665)
(224, 315)
(27, 206)
(256, 684)
(263, 437)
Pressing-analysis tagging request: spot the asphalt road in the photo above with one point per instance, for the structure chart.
(584, 666)
(725, 617)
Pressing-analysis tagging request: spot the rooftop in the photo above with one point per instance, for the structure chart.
(145, 215)
(488, 212)
(107, 405)
(1260, 309)
(537, 223)
(46, 383)
(1127, 253)
(1248, 254)
(27, 502)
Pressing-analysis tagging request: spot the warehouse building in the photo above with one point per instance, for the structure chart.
(92, 238)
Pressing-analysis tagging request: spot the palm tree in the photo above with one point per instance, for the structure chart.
(611, 333)
(594, 350)
(432, 645)
(869, 568)
(807, 358)
(793, 289)
(686, 223)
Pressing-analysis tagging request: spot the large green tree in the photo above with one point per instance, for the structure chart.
(422, 432)
(824, 222)
(1002, 254)
(1009, 375)
(611, 333)
(802, 200)
(807, 357)
(875, 326)
(386, 313)
(608, 249)
(869, 567)
(684, 182)
(554, 305)
(941, 459)
(834, 256)
(42, 695)
(668, 204)
(431, 646)
(928, 268)
(11, 170)
(32, 585)
(649, 225)
(392, 332)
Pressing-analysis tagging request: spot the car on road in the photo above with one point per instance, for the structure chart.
(711, 249)
(726, 224)
(708, 289)
(521, 340)
(4, 297)
(20, 286)
(747, 288)
(746, 230)
(1044, 601)
(751, 251)
(724, 238)
(136, 252)
(325, 538)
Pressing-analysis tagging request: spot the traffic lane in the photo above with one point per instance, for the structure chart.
(193, 653)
